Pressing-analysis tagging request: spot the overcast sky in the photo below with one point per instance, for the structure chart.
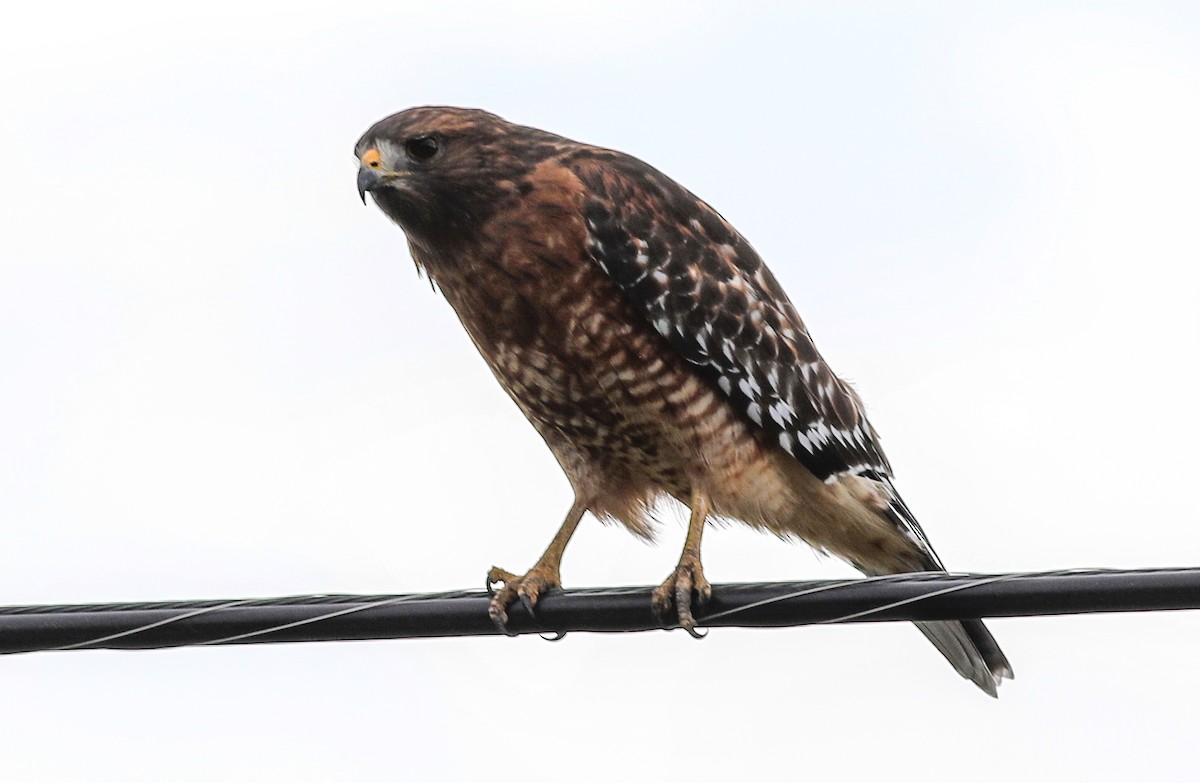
(220, 376)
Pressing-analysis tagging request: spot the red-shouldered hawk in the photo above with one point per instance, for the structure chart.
(651, 348)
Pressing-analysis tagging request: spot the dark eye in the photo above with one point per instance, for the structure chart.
(421, 147)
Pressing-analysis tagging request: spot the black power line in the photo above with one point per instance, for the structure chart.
(312, 618)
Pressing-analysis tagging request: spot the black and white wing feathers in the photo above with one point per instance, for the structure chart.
(704, 288)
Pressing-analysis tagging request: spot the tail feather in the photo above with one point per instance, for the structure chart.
(971, 650)
(861, 518)
(967, 644)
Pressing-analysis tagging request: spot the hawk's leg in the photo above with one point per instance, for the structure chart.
(543, 576)
(688, 577)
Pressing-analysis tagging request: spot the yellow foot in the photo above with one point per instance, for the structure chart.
(677, 591)
(525, 588)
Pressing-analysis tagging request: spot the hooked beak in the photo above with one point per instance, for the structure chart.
(368, 179)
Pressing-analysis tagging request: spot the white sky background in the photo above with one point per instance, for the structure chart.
(220, 377)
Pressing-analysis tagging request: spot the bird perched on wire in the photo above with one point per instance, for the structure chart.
(651, 348)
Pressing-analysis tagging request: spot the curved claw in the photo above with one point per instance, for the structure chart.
(678, 590)
(557, 637)
(495, 576)
(527, 602)
(527, 589)
(683, 600)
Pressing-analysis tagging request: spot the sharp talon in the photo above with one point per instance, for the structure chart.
(526, 588)
(502, 624)
(499, 616)
(683, 602)
(528, 604)
(497, 576)
(683, 588)
(557, 637)
(683, 598)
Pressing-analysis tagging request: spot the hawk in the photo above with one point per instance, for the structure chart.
(651, 348)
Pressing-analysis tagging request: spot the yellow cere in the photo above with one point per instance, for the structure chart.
(371, 158)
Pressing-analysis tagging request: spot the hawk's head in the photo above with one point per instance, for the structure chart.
(440, 171)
